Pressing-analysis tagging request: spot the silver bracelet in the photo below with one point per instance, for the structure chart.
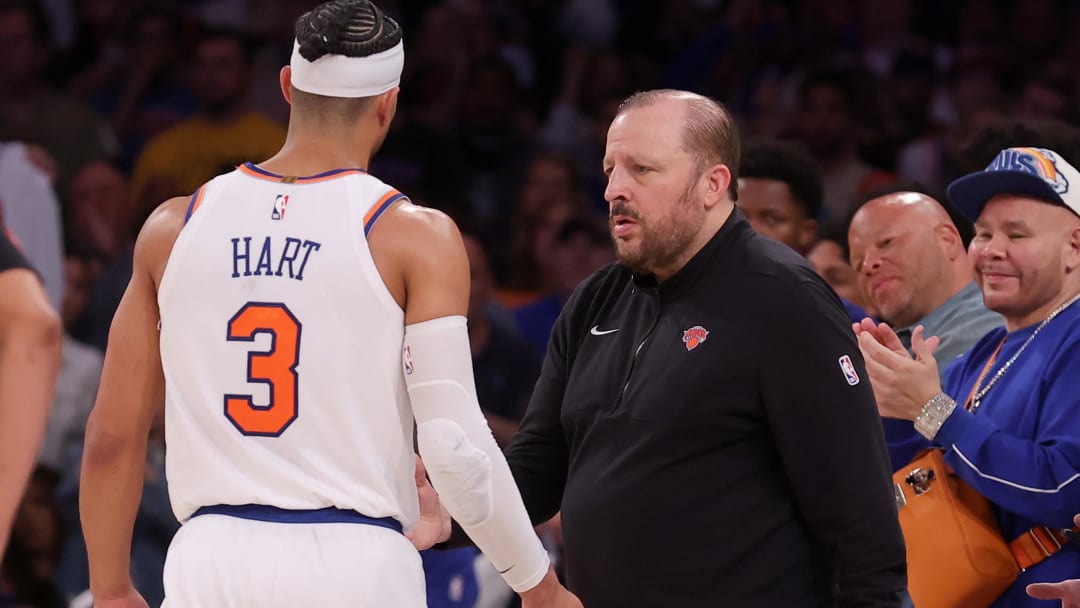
(933, 415)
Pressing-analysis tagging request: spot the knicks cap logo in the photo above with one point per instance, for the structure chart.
(1039, 162)
(848, 368)
(1032, 172)
(694, 336)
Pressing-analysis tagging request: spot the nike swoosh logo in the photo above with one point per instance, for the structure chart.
(596, 331)
(505, 571)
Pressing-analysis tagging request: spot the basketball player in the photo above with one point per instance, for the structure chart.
(295, 316)
(30, 337)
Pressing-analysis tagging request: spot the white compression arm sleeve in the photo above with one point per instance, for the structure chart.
(464, 463)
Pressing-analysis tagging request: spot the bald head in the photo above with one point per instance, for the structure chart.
(908, 255)
(915, 205)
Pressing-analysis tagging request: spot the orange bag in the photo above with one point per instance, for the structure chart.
(957, 557)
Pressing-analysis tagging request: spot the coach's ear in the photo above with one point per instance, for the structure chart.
(285, 79)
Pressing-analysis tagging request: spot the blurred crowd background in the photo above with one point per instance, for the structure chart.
(109, 107)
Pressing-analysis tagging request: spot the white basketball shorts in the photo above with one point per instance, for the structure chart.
(231, 562)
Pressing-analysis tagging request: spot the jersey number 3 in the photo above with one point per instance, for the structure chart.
(275, 368)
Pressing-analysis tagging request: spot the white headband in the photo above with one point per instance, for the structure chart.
(341, 76)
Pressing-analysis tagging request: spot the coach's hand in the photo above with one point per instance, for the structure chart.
(130, 599)
(434, 523)
(549, 594)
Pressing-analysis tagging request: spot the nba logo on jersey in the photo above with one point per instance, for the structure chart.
(849, 370)
(280, 203)
(407, 358)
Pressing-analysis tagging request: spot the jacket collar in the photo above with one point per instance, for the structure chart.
(735, 230)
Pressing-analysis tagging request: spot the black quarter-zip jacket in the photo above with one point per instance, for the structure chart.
(712, 441)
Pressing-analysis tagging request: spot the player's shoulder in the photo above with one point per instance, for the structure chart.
(158, 234)
(418, 227)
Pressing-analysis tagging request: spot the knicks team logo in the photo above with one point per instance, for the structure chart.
(280, 203)
(848, 368)
(406, 356)
(694, 337)
(1036, 161)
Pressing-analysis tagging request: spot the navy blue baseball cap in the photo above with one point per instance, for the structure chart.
(1036, 172)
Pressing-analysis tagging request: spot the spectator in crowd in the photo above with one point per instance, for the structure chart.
(146, 91)
(491, 151)
(827, 124)
(77, 382)
(224, 134)
(581, 246)
(31, 214)
(28, 568)
(528, 260)
(30, 111)
(1005, 412)
(99, 212)
(780, 193)
(913, 267)
(831, 259)
(505, 365)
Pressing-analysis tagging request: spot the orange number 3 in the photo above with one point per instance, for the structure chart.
(276, 368)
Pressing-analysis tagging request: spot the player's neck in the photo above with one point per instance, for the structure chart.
(311, 156)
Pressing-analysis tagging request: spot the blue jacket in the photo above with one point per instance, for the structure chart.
(1021, 448)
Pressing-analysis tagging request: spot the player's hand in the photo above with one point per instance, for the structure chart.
(434, 523)
(131, 599)
(549, 594)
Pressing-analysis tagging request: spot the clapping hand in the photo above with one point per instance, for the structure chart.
(902, 384)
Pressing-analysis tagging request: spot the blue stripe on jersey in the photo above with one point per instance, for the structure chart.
(260, 170)
(329, 515)
(378, 212)
(191, 203)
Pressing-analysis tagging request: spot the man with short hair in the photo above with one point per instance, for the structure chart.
(780, 193)
(225, 133)
(308, 314)
(913, 268)
(702, 418)
(1006, 411)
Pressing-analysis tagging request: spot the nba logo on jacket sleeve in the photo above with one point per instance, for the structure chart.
(406, 356)
(280, 203)
(849, 370)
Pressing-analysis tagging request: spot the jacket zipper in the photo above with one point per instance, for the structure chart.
(640, 346)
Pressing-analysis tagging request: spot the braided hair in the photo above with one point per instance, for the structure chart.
(353, 28)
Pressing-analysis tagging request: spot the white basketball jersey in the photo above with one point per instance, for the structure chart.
(281, 348)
